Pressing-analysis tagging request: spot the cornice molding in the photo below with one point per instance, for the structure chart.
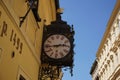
(110, 22)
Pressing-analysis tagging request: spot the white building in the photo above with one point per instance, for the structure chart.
(107, 63)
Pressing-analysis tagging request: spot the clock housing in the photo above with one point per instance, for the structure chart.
(57, 45)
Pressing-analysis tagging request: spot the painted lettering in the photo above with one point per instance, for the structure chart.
(0, 14)
(11, 35)
(14, 38)
(21, 46)
(4, 29)
(16, 41)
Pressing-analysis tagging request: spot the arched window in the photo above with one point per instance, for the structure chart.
(118, 78)
(97, 78)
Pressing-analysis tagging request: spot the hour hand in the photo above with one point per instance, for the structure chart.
(49, 46)
(59, 45)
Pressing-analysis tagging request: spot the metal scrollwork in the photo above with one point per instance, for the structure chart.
(48, 71)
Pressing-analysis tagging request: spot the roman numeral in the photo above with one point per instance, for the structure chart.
(62, 37)
(56, 55)
(66, 51)
(57, 36)
(51, 54)
(49, 41)
(66, 41)
(49, 50)
(61, 54)
(52, 38)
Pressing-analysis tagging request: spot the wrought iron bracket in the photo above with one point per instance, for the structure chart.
(24, 17)
(48, 71)
(32, 4)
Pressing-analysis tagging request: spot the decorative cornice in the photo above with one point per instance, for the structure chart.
(110, 22)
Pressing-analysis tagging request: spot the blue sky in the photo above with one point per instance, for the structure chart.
(90, 18)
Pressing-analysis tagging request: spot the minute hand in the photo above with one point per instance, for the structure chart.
(52, 45)
(64, 45)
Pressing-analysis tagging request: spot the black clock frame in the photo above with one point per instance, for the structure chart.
(58, 27)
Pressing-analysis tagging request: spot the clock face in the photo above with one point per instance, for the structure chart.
(57, 46)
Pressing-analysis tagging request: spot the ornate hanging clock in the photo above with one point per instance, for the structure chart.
(58, 43)
(57, 46)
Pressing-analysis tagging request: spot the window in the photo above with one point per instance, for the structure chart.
(21, 78)
(22, 75)
(97, 78)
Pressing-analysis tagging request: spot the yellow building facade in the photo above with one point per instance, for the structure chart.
(107, 63)
(21, 37)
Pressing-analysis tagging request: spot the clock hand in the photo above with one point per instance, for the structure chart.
(49, 46)
(52, 45)
(57, 45)
(63, 45)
